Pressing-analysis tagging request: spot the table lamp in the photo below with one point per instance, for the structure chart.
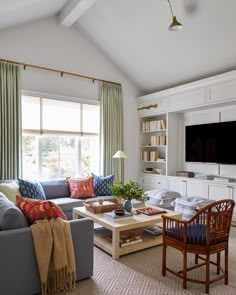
(120, 155)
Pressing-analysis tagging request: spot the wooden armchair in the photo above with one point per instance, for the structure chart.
(206, 233)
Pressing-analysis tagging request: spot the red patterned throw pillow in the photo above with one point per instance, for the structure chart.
(81, 187)
(39, 209)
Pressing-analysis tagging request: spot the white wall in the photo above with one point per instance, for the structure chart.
(46, 44)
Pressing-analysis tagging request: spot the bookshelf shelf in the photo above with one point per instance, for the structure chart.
(153, 143)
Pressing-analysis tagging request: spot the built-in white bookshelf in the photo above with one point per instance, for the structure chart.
(153, 144)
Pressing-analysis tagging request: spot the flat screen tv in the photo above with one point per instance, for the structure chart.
(211, 143)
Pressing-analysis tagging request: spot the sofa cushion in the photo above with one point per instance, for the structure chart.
(11, 216)
(56, 188)
(10, 190)
(31, 189)
(67, 204)
(81, 187)
(101, 184)
(39, 209)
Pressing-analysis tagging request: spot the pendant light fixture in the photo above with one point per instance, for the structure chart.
(175, 25)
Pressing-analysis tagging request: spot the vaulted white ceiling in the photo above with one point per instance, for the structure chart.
(134, 34)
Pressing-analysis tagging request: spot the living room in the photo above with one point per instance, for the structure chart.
(37, 33)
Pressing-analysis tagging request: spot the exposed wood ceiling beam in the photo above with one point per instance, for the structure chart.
(73, 11)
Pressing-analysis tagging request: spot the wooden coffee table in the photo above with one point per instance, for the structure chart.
(137, 222)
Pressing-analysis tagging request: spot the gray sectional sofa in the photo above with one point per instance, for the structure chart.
(57, 190)
(19, 273)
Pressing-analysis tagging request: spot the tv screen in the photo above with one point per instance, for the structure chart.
(211, 143)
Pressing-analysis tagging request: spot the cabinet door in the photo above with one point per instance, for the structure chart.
(178, 185)
(222, 91)
(218, 192)
(149, 182)
(196, 189)
(188, 99)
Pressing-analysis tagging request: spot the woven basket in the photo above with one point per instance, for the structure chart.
(90, 205)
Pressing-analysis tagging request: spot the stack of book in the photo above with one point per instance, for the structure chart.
(112, 216)
(129, 238)
(154, 231)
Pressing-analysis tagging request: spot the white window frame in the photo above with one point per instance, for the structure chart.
(42, 132)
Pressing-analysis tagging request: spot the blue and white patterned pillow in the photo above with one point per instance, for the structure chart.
(101, 184)
(31, 189)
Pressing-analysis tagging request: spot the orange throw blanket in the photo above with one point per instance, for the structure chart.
(55, 254)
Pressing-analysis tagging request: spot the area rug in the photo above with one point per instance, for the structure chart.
(140, 274)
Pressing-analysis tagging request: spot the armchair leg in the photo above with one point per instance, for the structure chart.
(184, 270)
(163, 259)
(218, 263)
(207, 273)
(226, 265)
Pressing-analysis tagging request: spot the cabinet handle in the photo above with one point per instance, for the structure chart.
(148, 107)
(183, 180)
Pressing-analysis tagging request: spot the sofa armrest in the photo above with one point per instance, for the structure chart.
(19, 269)
(82, 235)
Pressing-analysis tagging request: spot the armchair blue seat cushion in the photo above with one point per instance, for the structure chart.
(196, 233)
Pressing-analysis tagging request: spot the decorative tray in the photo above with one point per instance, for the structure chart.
(150, 211)
(107, 206)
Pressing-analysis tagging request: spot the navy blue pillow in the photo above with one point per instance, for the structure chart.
(31, 189)
(101, 184)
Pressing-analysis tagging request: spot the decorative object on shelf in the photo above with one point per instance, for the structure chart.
(120, 155)
(185, 173)
(119, 212)
(160, 171)
(128, 191)
(150, 211)
(175, 25)
(107, 206)
(114, 217)
(148, 107)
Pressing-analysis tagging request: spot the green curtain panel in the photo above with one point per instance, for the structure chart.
(10, 121)
(111, 133)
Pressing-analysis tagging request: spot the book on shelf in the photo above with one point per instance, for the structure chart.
(131, 242)
(153, 231)
(163, 124)
(103, 232)
(112, 216)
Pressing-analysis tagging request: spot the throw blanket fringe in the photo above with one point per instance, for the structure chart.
(55, 255)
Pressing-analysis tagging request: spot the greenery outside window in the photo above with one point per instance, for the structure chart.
(60, 138)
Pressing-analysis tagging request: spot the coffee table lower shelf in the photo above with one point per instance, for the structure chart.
(137, 223)
(106, 245)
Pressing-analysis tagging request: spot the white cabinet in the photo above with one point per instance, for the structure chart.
(149, 182)
(188, 187)
(219, 191)
(188, 99)
(153, 145)
(177, 185)
(222, 91)
(222, 191)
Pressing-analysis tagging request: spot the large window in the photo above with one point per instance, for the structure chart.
(60, 138)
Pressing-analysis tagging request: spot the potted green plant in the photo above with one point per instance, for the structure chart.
(128, 191)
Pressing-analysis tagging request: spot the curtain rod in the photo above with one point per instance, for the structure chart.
(25, 65)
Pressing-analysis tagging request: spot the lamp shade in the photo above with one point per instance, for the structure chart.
(120, 155)
(175, 25)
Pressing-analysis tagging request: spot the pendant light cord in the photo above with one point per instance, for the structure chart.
(170, 8)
